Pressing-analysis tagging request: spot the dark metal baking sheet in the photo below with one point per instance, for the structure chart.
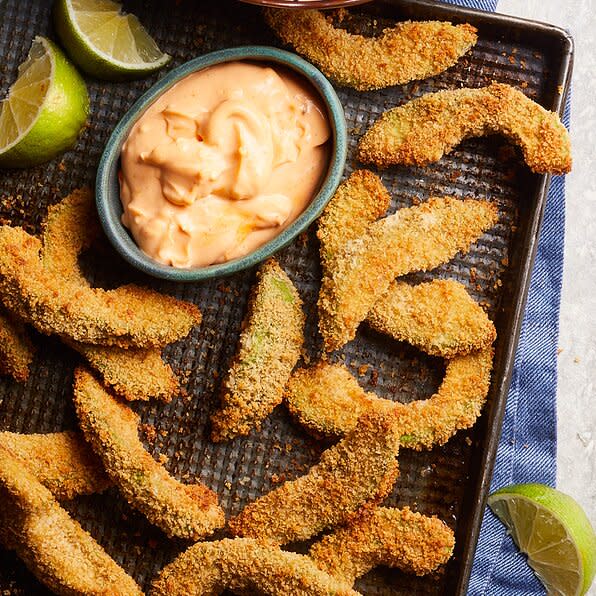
(451, 481)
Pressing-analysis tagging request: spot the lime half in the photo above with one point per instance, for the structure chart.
(45, 109)
(105, 42)
(553, 531)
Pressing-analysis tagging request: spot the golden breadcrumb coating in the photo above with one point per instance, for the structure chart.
(111, 428)
(424, 129)
(359, 469)
(133, 373)
(53, 545)
(16, 348)
(269, 347)
(438, 317)
(407, 52)
(71, 227)
(400, 538)
(245, 566)
(44, 285)
(327, 400)
(413, 239)
(61, 461)
(133, 317)
(358, 201)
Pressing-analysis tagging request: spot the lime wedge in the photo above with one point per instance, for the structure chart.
(553, 531)
(104, 42)
(45, 109)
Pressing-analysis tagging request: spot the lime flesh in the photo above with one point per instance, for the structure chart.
(104, 42)
(553, 531)
(45, 109)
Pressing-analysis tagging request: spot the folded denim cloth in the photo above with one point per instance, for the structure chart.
(488, 5)
(528, 445)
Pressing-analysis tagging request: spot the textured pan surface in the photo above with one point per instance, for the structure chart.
(445, 481)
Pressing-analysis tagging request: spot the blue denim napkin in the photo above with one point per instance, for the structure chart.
(527, 447)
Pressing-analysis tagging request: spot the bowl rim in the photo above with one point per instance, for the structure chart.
(109, 208)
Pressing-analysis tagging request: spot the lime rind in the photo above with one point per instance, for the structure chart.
(98, 5)
(34, 73)
(45, 108)
(554, 532)
(107, 44)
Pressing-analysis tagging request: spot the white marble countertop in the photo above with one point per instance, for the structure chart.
(576, 393)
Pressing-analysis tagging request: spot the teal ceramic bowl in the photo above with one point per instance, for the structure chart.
(107, 189)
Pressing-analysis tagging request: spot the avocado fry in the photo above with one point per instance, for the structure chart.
(424, 129)
(51, 543)
(16, 348)
(438, 317)
(400, 538)
(269, 348)
(54, 304)
(71, 227)
(328, 401)
(183, 510)
(409, 51)
(245, 566)
(61, 461)
(360, 469)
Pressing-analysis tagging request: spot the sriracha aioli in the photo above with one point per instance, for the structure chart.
(221, 163)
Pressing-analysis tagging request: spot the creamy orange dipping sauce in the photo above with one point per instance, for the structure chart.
(221, 163)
